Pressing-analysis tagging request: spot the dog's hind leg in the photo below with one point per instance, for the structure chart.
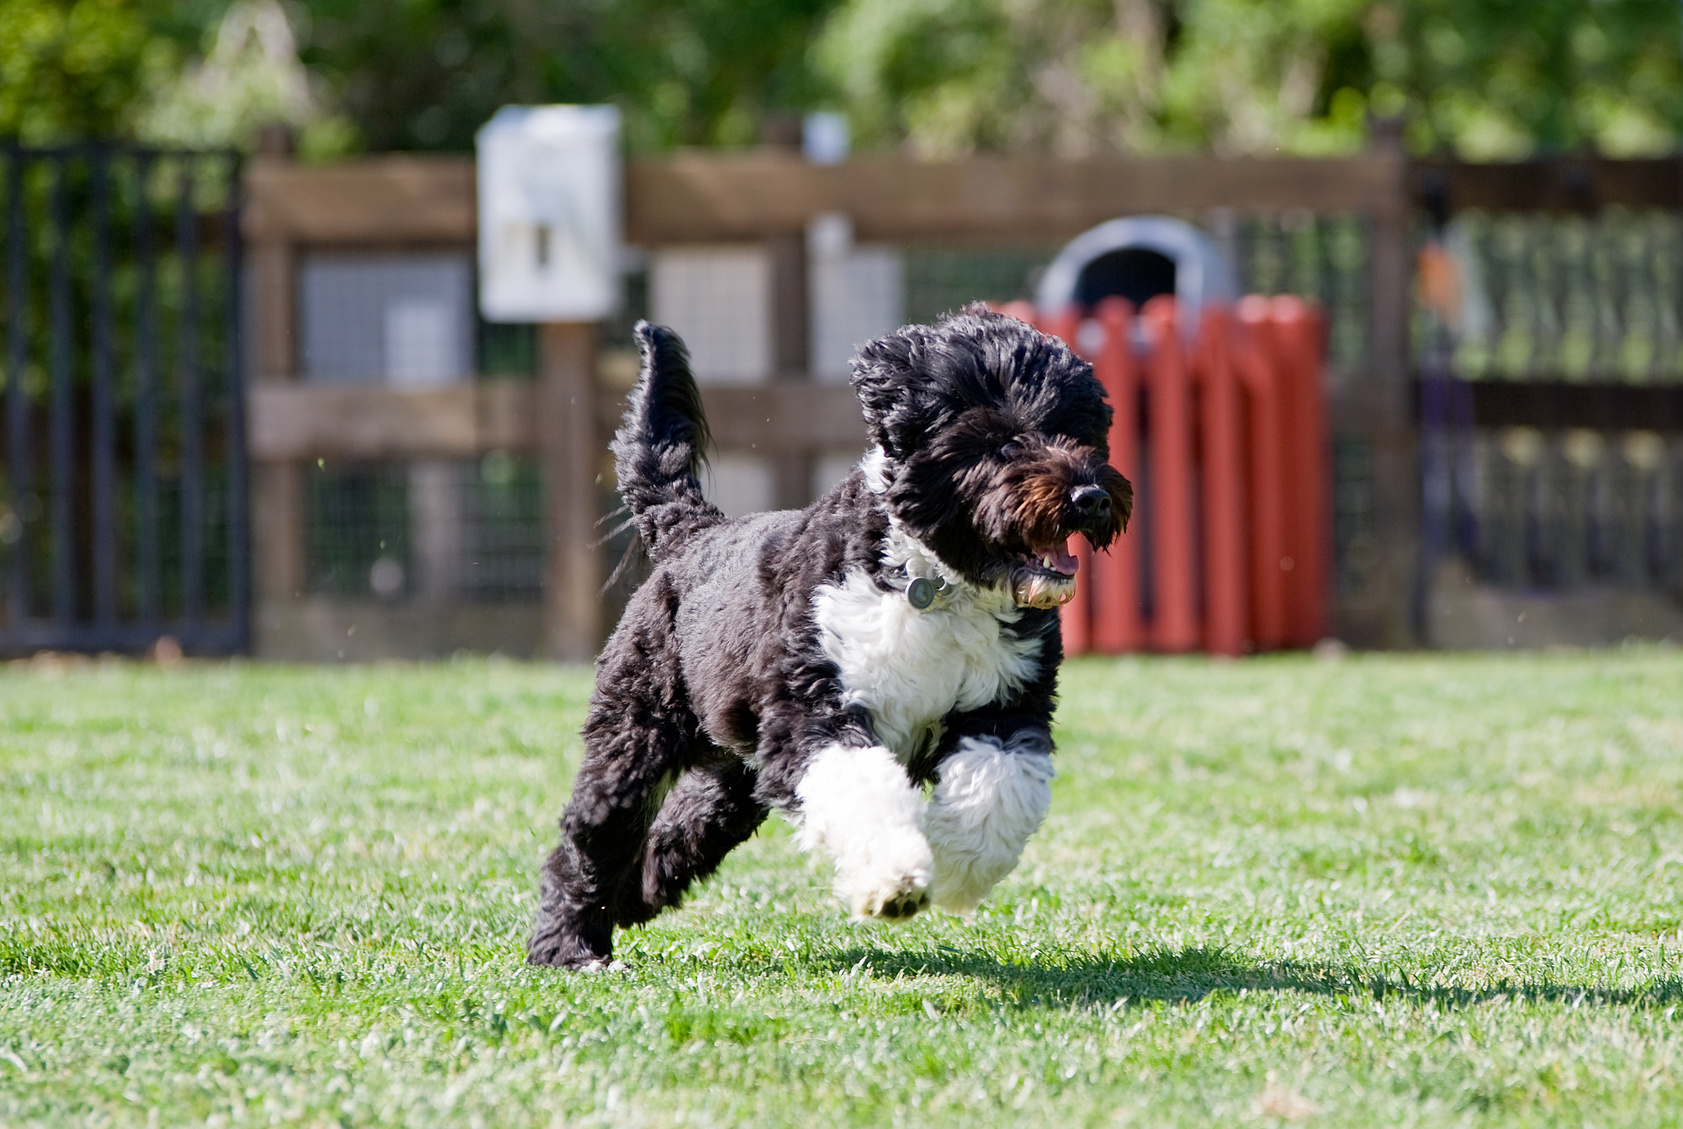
(637, 735)
(709, 811)
(602, 832)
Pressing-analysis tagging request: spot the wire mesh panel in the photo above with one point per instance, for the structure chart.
(1552, 296)
(857, 294)
(1312, 255)
(718, 299)
(1571, 508)
(943, 279)
(1571, 317)
(426, 529)
(404, 319)
(123, 507)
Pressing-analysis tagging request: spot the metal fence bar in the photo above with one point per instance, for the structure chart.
(104, 479)
(192, 452)
(62, 435)
(146, 392)
(17, 402)
(239, 563)
(119, 272)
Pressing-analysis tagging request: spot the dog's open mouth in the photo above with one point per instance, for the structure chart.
(1046, 576)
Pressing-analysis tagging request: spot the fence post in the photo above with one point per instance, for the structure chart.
(571, 449)
(789, 319)
(277, 487)
(1372, 411)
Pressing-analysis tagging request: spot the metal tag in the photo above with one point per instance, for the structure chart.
(920, 593)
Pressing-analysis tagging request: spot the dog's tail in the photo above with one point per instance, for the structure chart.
(660, 448)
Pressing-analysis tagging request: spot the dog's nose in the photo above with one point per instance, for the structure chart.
(1091, 502)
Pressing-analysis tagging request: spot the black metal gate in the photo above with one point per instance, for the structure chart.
(122, 460)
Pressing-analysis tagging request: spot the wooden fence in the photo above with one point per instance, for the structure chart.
(769, 198)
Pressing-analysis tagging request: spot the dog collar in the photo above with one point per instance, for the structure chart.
(924, 594)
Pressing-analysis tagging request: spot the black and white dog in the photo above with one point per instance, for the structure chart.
(901, 631)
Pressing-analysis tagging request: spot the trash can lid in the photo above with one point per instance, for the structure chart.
(1202, 272)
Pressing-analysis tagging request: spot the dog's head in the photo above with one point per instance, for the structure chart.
(996, 449)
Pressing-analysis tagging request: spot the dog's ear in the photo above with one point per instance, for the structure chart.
(880, 371)
(879, 376)
(892, 378)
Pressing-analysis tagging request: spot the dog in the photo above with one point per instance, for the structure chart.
(901, 632)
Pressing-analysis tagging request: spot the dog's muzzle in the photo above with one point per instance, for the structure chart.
(1047, 579)
(1034, 588)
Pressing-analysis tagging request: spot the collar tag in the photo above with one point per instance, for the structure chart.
(923, 593)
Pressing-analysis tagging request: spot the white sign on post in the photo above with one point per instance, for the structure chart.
(549, 213)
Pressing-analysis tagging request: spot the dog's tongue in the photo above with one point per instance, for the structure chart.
(1060, 558)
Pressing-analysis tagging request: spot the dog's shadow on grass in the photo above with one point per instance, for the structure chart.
(1190, 975)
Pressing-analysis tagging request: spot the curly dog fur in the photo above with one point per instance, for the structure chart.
(899, 633)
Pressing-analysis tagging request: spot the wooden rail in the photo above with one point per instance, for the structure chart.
(712, 198)
(292, 421)
(1573, 185)
(987, 199)
(1559, 404)
(305, 421)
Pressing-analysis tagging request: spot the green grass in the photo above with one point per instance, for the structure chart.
(1405, 890)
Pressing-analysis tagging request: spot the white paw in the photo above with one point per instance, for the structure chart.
(893, 884)
(604, 966)
(859, 807)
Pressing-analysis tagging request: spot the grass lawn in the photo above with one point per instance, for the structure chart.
(1388, 890)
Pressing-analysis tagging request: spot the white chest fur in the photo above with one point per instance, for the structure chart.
(910, 668)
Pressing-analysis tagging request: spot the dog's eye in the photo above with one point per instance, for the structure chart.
(1011, 448)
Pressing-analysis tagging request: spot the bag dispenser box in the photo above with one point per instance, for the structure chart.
(549, 214)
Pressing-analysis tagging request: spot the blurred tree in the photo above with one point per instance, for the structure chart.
(120, 68)
(1249, 76)
(1485, 78)
(1501, 78)
(76, 68)
(410, 74)
(425, 74)
(251, 78)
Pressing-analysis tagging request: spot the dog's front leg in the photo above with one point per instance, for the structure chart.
(858, 805)
(854, 802)
(991, 794)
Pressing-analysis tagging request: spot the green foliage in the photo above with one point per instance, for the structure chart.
(426, 74)
(1503, 78)
(251, 77)
(84, 69)
(1255, 76)
(75, 68)
(1394, 890)
(951, 76)
(1484, 78)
